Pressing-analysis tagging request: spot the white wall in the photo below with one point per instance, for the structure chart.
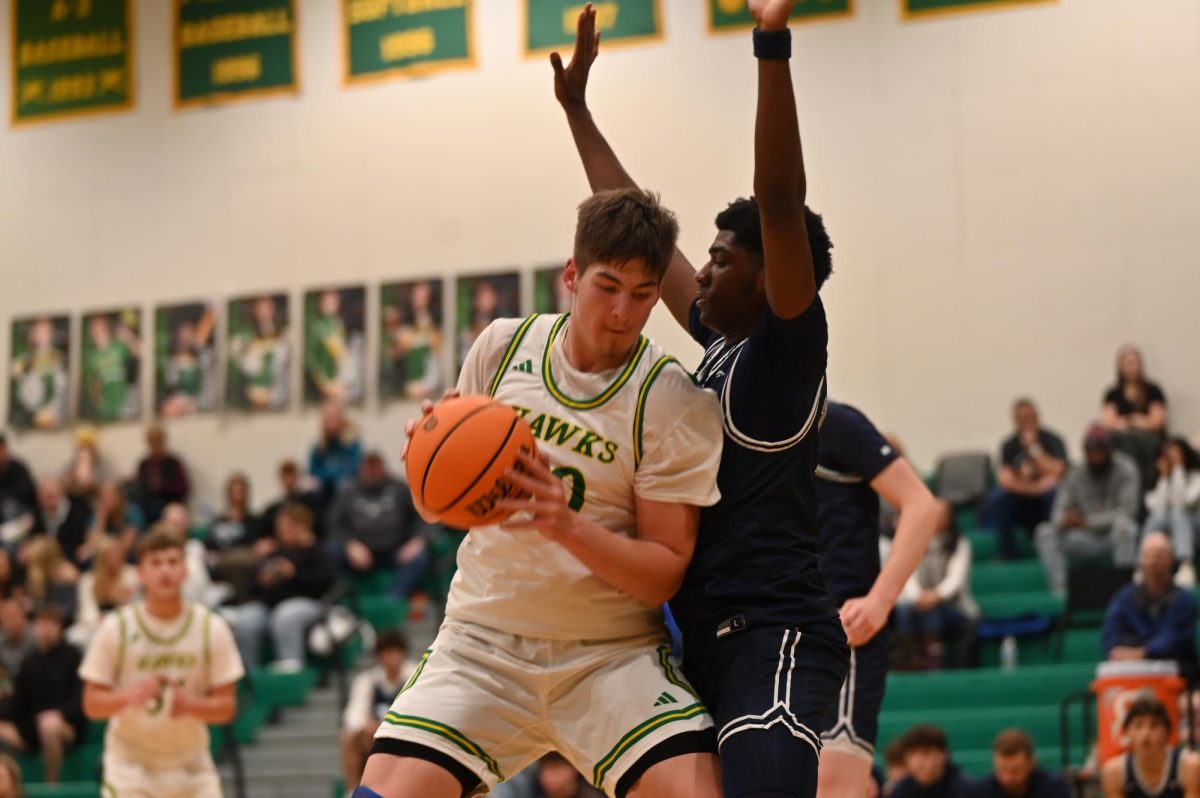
(1012, 195)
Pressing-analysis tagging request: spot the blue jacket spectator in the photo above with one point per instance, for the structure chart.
(334, 458)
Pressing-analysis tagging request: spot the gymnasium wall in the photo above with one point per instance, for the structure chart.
(1011, 194)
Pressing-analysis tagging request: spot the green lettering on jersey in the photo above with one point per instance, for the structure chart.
(559, 431)
(536, 425)
(585, 444)
(610, 452)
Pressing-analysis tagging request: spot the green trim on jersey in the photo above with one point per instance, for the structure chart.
(509, 353)
(120, 648)
(207, 650)
(107, 790)
(608, 393)
(417, 673)
(664, 659)
(639, 422)
(637, 733)
(450, 733)
(173, 639)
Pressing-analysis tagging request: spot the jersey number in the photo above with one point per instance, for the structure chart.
(578, 485)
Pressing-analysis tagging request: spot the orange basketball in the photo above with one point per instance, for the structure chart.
(459, 456)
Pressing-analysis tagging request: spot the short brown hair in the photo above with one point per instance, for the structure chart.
(620, 225)
(1013, 741)
(160, 538)
(294, 511)
(1147, 705)
(49, 612)
(924, 735)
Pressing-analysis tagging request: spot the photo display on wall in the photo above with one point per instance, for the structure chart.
(480, 299)
(335, 345)
(412, 340)
(258, 366)
(185, 359)
(550, 295)
(110, 377)
(39, 373)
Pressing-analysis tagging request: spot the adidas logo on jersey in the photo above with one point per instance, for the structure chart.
(526, 366)
(665, 698)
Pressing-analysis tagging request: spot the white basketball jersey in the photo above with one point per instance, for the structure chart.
(641, 430)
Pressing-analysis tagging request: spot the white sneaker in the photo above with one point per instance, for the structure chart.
(286, 666)
(1185, 577)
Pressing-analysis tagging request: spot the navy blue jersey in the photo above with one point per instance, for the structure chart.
(852, 454)
(757, 550)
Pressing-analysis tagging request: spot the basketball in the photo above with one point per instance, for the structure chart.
(459, 457)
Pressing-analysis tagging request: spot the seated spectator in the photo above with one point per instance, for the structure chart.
(931, 774)
(558, 779)
(47, 709)
(1016, 773)
(371, 696)
(162, 478)
(16, 638)
(198, 586)
(376, 524)
(936, 602)
(62, 518)
(10, 580)
(1095, 512)
(1150, 760)
(893, 760)
(10, 777)
(112, 582)
(50, 580)
(113, 516)
(337, 454)
(18, 497)
(1174, 504)
(232, 539)
(1135, 412)
(86, 471)
(1032, 463)
(294, 492)
(286, 591)
(1155, 619)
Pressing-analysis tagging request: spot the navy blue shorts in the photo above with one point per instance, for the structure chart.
(852, 725)
(769, 688)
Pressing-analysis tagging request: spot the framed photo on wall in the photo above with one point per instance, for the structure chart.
(110, 380)
(335, 345)
(412, 340)
(258, 366)
(549, 293)
(185, 359)
(39, 371)
(480, 300)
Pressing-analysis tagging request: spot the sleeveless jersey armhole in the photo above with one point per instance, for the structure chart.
(510, 351)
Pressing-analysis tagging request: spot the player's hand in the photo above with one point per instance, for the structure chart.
(410, 426)
(181, 702)
(143, 692)
(771, 14)
(570, 84)
(546, 502)
(862, 618)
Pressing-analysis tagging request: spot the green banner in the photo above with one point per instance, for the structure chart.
(726, 15)
(386, 38)
(550, 24)
(232, 49)
(928, 8)
(71, 57)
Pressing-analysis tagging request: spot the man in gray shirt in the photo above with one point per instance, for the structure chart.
(1095, 512)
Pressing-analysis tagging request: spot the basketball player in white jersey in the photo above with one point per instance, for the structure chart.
(160, 671)
(554, 639)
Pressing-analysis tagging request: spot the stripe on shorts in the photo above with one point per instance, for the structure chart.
(450, 733)
(636, 734)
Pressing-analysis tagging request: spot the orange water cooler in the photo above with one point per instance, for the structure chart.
(1116, 686)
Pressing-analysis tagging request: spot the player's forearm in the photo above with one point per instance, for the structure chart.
(212, 709)
(600, 163)
(779, 181)
(647, 570)
(915, 527)
(101, 703)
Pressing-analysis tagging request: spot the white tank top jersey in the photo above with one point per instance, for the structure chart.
(195, 650)
(642, 430)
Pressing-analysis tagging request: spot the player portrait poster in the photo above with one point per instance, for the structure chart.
(335, 344)
(185, 359)
(550, 295)
(110, 382)
(412, 340)
(480, 300)
(258, 370)
(39, 372)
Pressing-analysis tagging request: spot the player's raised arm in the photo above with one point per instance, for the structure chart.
(779, 182)
(603, 168)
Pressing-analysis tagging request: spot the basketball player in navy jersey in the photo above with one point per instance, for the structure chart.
(761, 636)
(855, 467)
(1152, 768)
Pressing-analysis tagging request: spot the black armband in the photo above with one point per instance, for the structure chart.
(773, 45)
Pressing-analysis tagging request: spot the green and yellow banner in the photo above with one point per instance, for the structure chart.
(550, 24)
(917, 9)
(233, 49)
(390, 38)
(725, 15)
(71, 57)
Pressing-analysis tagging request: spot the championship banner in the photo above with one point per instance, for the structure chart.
(71, 57)
(233, 49)
(398, 38)
(919, 9)
(551, 24)
(727, 15)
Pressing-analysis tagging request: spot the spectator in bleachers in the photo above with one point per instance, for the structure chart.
(1016, 773)
(1095, 512)
(1174, 504)
(294, 492)
(47, 709)
(10, 777)
(50, 580)
(62, 518)
(286, 590)
(893, 762)
(113, 516)
(162, 477)
(10, 580)
(233, 538)
(1032, 463)
(1155, 619)
(18, 495)
(198, 585)
(86, 471)
(371, 696)
(337, 454)
(1135, 412)
(931, 774)
(376, 524)
(558, 779)
(936, 603)
(1150, 760)
(112, 582)
(16, 638)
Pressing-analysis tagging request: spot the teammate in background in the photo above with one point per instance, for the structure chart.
(371, 696)
(856, 467)
(554, 638)
(1151, 768)
(160, 671)
(761, 637)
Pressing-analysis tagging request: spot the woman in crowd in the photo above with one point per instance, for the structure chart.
(1173, 506)
(50, 579)
(1135, 412)
(111, 583)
